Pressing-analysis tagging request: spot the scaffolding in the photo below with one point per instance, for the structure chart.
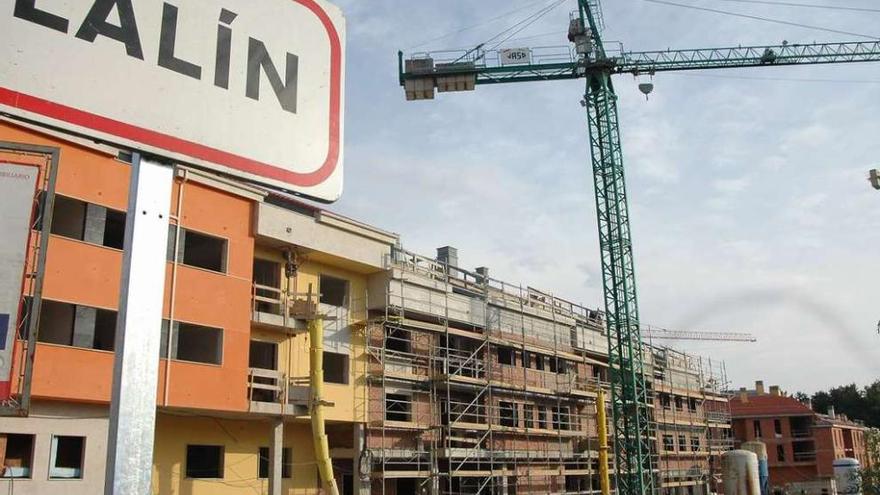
(480, 386)
(692, 420)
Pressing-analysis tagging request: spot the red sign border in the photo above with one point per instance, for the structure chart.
(152, 138)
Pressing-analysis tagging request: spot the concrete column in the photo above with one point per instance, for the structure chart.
(96, 219)
(361, 483)
(276, 446)
(84, 327)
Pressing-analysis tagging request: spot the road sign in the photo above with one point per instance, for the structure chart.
(17, 188)
(251, 89)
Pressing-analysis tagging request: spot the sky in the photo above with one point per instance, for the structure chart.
(750, 207)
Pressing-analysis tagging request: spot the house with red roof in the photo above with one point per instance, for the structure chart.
(801, 443)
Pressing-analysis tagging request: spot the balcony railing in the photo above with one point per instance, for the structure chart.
(265, 385)
(718, 416)
(804, 456)
(274, 306)
(271, 391)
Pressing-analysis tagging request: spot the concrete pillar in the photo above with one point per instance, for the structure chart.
(96, 218)
(276, 446)
(84, 327)
(361, 482)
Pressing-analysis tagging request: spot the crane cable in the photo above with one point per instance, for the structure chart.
(523, 24)
(764, 19)
(481, 23)
(805, 5)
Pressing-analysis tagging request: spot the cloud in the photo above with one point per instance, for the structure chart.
(749, 206)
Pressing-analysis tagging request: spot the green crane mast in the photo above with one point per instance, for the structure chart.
(423, 74)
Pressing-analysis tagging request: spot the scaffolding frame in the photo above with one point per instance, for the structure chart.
(497, 383)
(696, 407)
(479, 404)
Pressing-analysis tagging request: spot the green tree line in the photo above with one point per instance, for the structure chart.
(857, 403)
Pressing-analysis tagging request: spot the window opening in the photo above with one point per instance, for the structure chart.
(204, 461)
(66, 457)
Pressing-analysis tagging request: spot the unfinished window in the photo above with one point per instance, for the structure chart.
(264, 356)
(197, 249)
(88, 222)
(777, 427)
(668, 443)
(336, 368)
(679, 404)
(286, 462)
(542, 417)
(506, 355)
(78, 326)
(561, 418)
(19, 455)
(780, 453)
(539, 362)
(695, 444)
(196, 343)
(66, 457)
(267, 282)
(334, 291)
(757, 426)
(508, 414)
(397, 339)
(682, 443)
(561, 366)
(529, 415)
(692, 405)
(665, 401)
(204, 461)
(398, 407)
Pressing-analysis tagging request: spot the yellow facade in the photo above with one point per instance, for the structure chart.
(242, 438)
(241, 441)
(349, 401)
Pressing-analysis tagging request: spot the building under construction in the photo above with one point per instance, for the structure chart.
(478, 386)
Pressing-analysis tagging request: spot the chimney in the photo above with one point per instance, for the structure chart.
(483, 271)
(774, 390)
(759, 387)
(831, 412)
(448, 255)
(743, 395)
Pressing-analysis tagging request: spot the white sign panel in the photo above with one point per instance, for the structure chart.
(17, 188)
(515, 56)
(249, 88)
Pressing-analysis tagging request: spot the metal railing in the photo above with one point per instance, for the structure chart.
(265, 385)
(804, 456)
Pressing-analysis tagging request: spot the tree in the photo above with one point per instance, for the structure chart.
(870, 474)
(862, 404)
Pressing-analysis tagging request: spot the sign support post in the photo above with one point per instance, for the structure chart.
(138, 330)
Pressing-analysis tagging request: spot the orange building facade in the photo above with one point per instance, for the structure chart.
(234, 360)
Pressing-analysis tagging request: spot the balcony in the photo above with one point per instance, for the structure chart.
(718, 416)
(804, 456)
(268, 394)
(801, 433)
(279, 309)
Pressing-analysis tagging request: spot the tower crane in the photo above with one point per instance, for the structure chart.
(422, 75)
(657, 333)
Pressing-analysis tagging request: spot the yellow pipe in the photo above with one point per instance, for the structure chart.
(604, 481)
(316, 378)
